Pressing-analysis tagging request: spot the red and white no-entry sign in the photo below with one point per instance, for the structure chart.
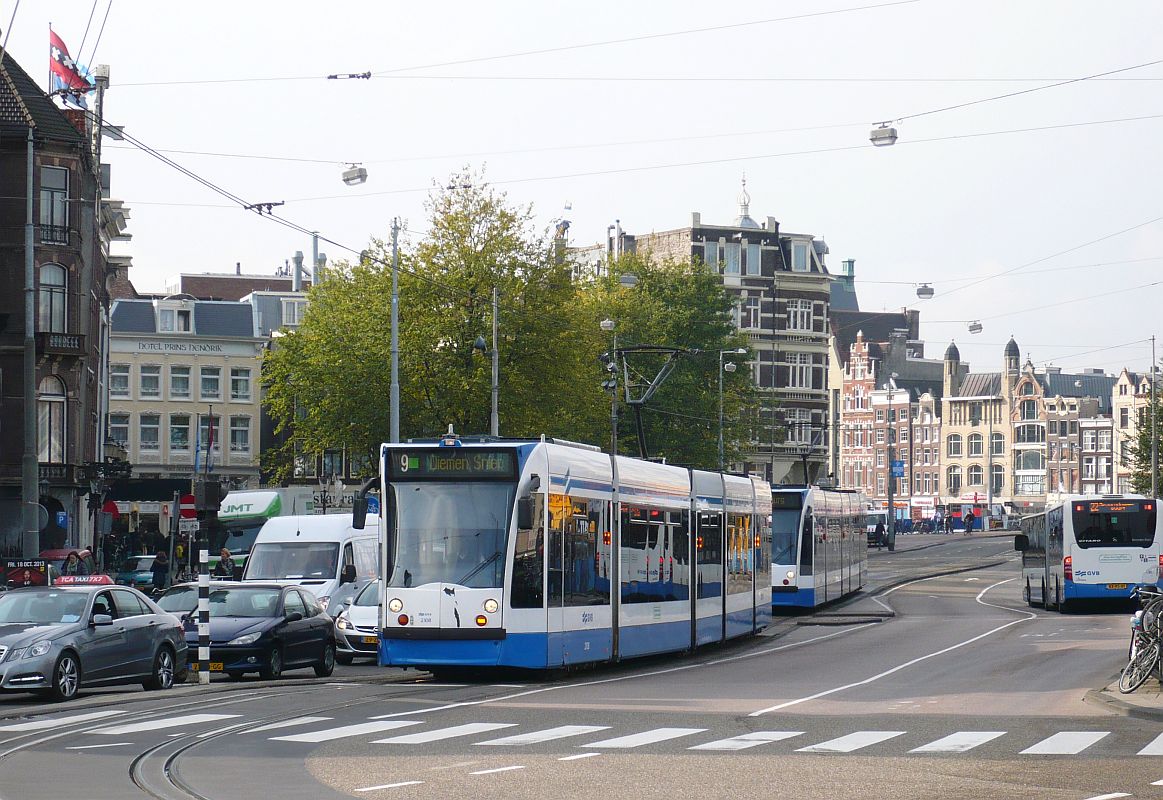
(186, 507)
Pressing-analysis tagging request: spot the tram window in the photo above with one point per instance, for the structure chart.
(585, 555)
(807, 541)
(708, 556)
(740, 544)
(528, 561)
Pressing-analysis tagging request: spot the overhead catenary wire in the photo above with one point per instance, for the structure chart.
(88, 25)
(8, 31)
(100, 33)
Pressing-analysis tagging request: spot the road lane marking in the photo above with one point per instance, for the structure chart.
(491, 771)
(960, 742)
(1110, 796)
(646, 737)
(166, 722)
(287, 723)
(389, 786)
(747, 740)
(446, 733)
(851, 742)
(95, 746)
(591, 755)
(1065, 743)
(905, 665)
(330, 734)
(1155, 748)
(547, 735)
(56, 722)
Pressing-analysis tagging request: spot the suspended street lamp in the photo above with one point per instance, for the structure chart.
(925, 291)
(354, 175)
(975, 327)
(883, 136)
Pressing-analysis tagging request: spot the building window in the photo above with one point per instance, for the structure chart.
(332, 463)
(799, 315)
(211, 383)
(165, 320)
(1088, 468)
(880, 435)
(119, 381)
(953, 480)
(1030, 484)
(149, 432)
(1029, 434)
(710, 258)
(1030, 460)
(240, 434)
(752, 260)
(1029, 409)
(1089, 438)
(976, 475)
(179, 383)
(1027, 388)
(294, 311)
(904, 435)
(799, 370)
(880, 484)
(799, 257)
(54, 205)
(976, 443)
(119, 429)
(180, 432)
(999, 478)
(151, 381)
(880, 458)
(209, 432)
(749, 313)
(997, 444)
(239, 383)
(50, 420)
(52, 299)
(306, 465)
(1124, 451)
(954, 444)
(1104, 440)
(1124, 417)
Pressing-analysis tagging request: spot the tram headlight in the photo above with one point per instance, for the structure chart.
(395, 605)
(791, 574)
(491, 606)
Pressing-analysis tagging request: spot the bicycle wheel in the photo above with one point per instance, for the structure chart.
(1139, 668)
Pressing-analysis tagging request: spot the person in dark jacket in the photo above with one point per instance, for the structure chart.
(160, 569)
(879, 534)
(225, 566)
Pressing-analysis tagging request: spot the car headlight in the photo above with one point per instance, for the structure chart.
(38, 649)
(343, 623)
(395, 605)
(491, 606)
(15, 654)
(249, 638)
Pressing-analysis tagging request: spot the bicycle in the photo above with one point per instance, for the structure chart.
(1143, 650)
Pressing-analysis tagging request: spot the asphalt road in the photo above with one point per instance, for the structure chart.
(941, 686)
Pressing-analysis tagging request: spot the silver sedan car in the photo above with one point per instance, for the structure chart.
(56, 639)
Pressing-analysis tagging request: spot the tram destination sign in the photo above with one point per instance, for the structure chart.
(458, 463)
(787, 500)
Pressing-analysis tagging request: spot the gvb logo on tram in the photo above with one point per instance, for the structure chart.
(1090, 547)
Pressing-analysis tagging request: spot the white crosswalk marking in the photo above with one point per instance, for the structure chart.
(960, 742)
(547, 735)
(329, 734)
(165, 722)
(56, 722)
(445, 733)
(287, 723)
(1065, 743)
(646, 737)
(1155, 748)
(747, 740)
(851, 742)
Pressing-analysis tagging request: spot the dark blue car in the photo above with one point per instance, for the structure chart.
(259, 627)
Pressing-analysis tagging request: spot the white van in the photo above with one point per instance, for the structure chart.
(320, 552)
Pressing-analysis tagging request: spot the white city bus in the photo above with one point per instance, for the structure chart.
(1090, 547)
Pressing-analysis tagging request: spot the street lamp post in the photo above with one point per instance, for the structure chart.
(890, 387)
(394, 390)
(729, 367)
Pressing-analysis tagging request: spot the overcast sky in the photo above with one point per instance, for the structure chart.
(672, 121)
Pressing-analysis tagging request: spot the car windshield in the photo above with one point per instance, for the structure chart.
(42, 608)
(137, 564)
(451, 533)
(179, 599)
(369, 595)
(278, 561)
(242, 602)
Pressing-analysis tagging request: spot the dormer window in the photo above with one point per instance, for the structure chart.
(174, 319)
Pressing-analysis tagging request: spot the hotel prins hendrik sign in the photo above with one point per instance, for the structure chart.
(181, 347)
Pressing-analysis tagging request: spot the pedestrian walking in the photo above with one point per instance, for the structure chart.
(948, 523)
(161, 571)
(73, 565)
(879, 534)
(969, 519)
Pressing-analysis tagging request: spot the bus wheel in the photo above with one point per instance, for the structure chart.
(1045, 600)
(1029, 598)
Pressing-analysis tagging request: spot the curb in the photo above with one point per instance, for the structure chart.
(1113, 703)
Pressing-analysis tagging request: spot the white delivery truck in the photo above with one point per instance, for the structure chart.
(319, 552)
(243, 513)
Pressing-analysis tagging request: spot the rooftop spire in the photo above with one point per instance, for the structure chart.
(744, 219)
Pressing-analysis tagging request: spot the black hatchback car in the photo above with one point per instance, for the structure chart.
(263, 628)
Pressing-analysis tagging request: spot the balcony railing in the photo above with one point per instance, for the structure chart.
(54, 234)
(60, 344)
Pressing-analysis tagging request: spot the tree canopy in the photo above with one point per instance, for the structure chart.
(1141, 448)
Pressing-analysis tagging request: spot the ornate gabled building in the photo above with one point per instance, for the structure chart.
(1130, 401)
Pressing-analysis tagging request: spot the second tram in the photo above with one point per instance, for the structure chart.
(819, 549)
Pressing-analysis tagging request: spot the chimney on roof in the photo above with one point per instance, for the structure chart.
(237, 267)
(297, 275)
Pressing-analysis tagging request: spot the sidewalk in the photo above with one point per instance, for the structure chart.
(1146, 702)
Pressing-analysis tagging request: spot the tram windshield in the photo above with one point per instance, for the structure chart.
(451, 533)
(785, 529)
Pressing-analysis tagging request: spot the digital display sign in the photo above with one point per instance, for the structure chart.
(451, 463)
(1111, 507)
(787, 500)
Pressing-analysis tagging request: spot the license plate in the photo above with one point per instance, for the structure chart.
(1116, 586)
(215, 666)
(371, 640)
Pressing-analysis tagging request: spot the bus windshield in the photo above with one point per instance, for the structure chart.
(1122, 523)
(785, 530)
(451, 533)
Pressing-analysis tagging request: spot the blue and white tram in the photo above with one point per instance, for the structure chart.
(548, 554)
(819, 553)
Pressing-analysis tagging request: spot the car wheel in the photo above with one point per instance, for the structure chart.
(234, 676)
(163, 671)
(66, 677)
(274, 668)
(326, 663)
(343, 658)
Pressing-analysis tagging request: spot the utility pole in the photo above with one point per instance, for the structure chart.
(890, 436)
(494, 418)
(30, 468)
(1154, 431)
(394, 401)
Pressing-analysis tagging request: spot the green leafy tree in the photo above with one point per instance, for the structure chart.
(1141, 447)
